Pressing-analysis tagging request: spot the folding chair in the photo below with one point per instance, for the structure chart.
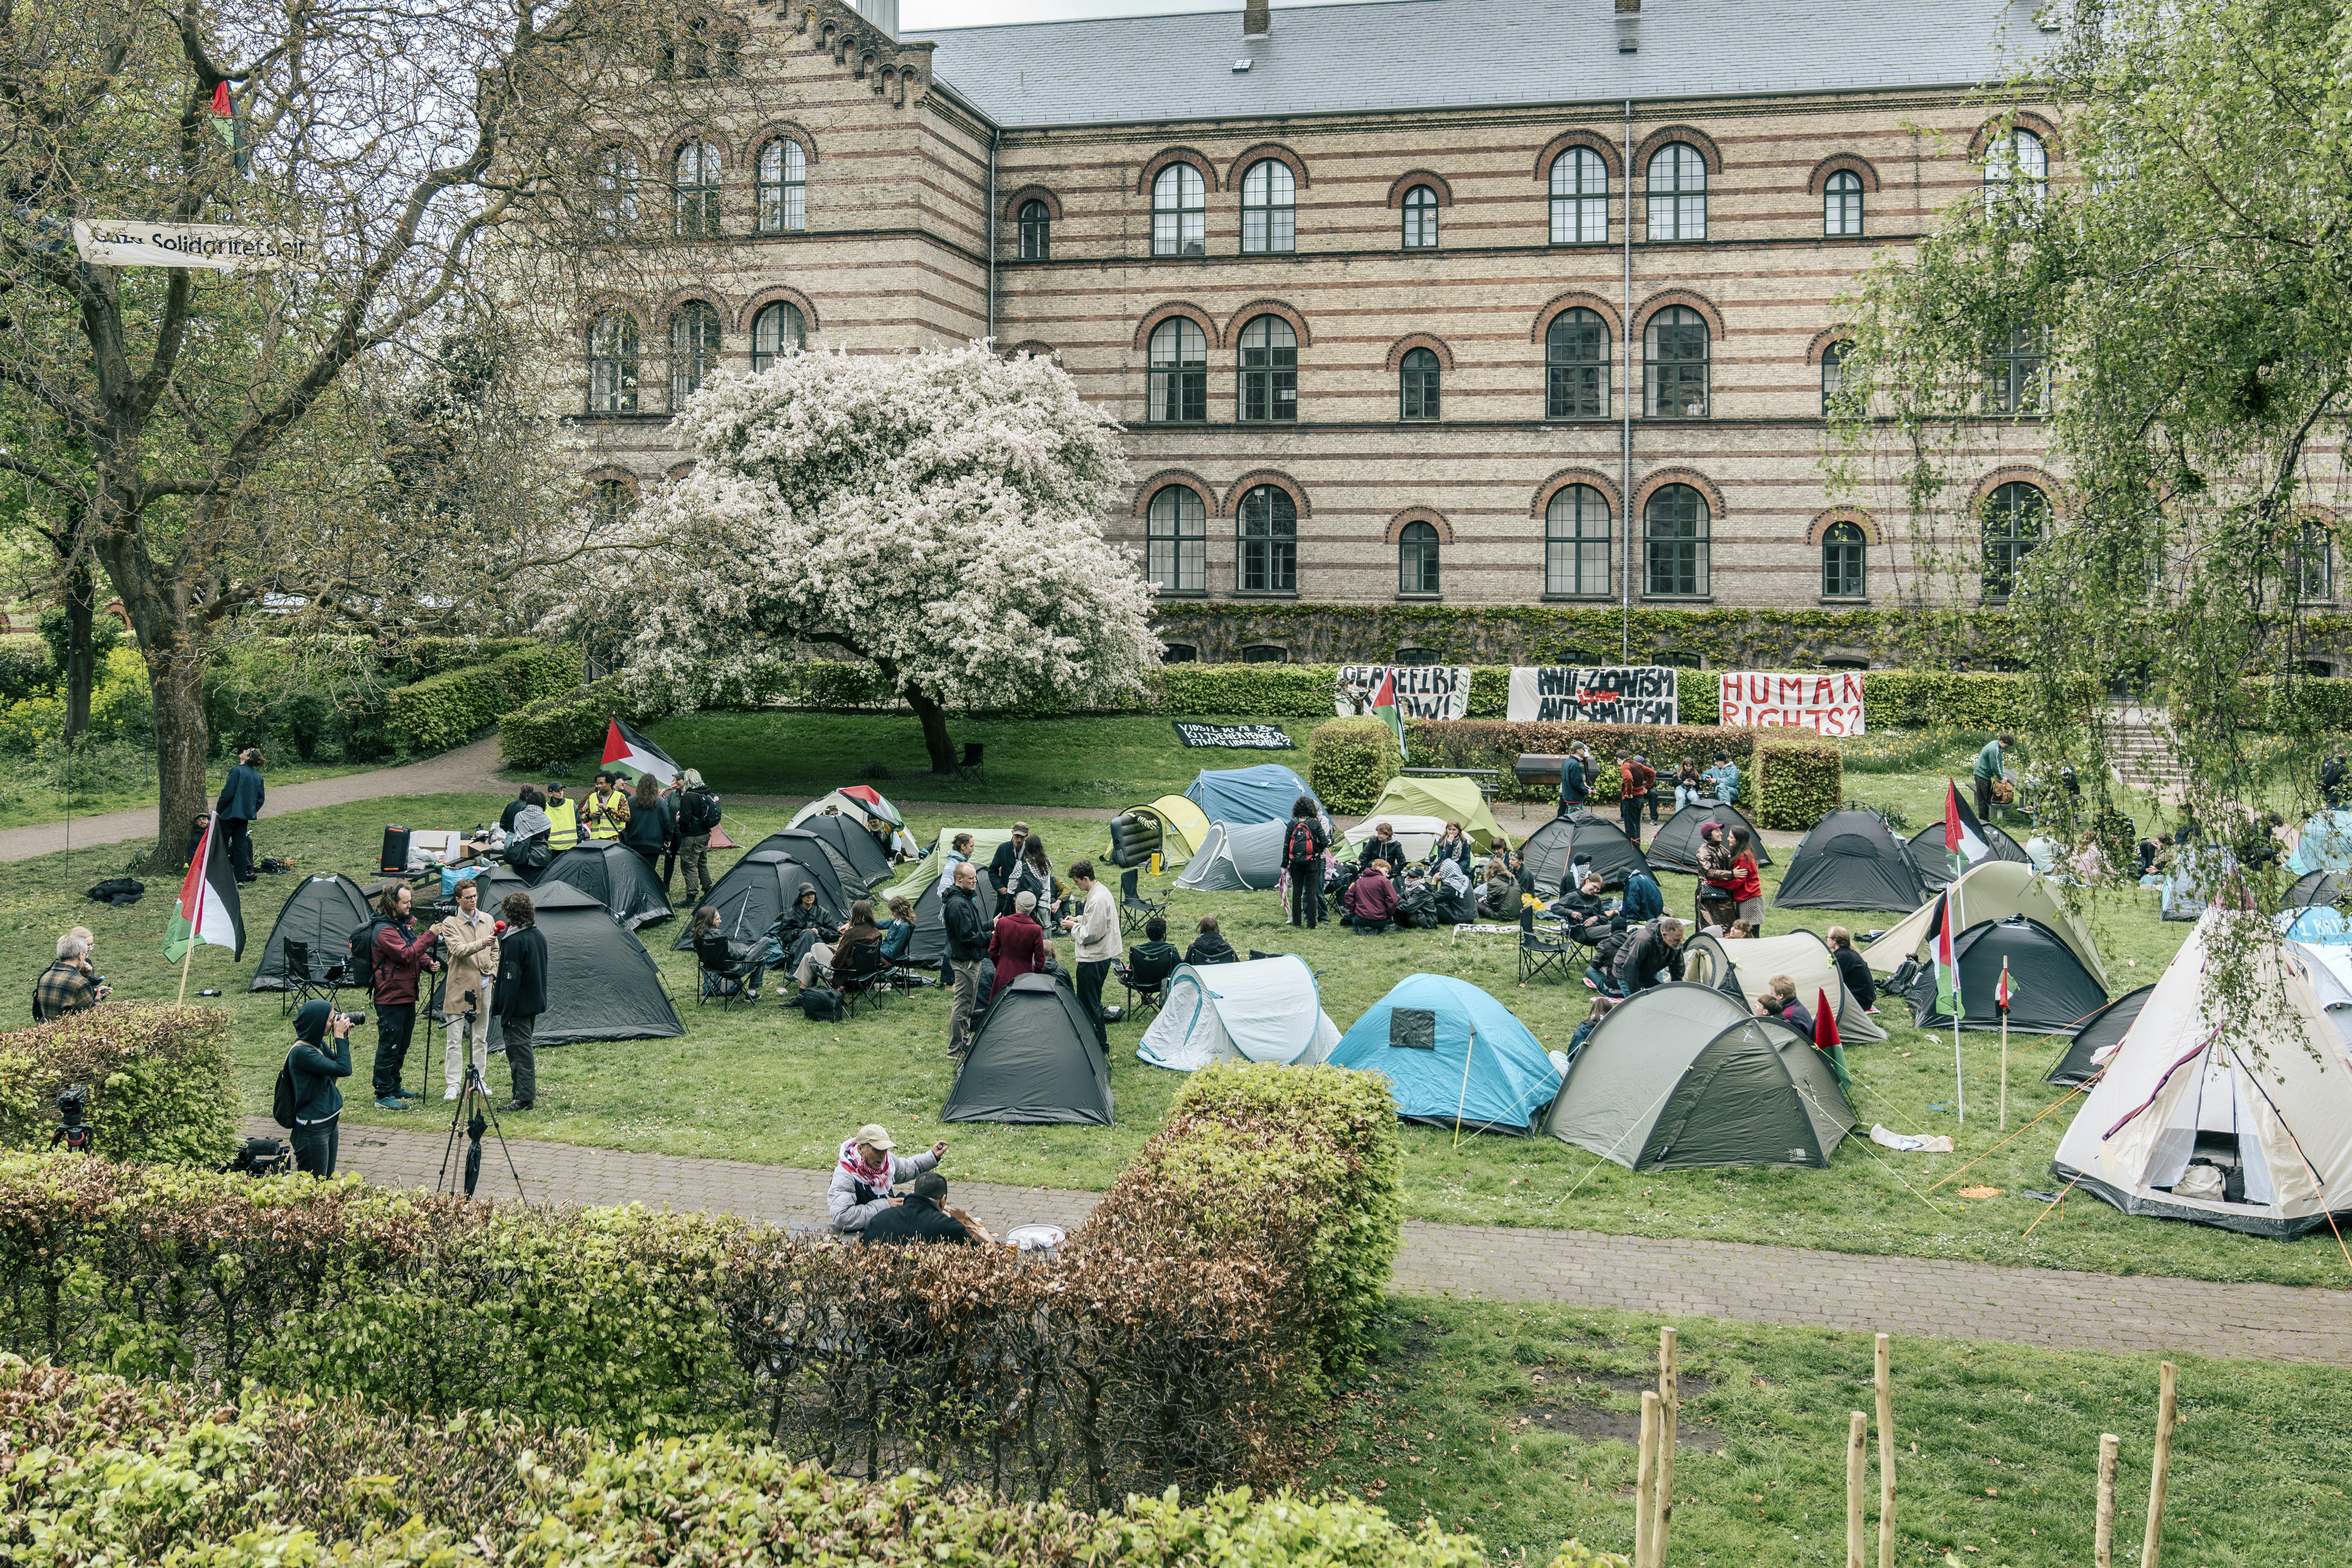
(728, 984)
(1143, 993)
(302, 984)
(1133, 908)
(858, 971)
(1541, 955)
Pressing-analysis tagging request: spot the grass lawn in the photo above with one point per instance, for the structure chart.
(764, 1085)
(1520, 1423)
(31, 795)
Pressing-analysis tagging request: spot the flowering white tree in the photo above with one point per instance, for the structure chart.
(938, 514)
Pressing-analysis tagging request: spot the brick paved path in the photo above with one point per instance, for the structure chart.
(1680, 1278)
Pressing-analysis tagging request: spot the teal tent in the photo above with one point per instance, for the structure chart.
(1452, 1055)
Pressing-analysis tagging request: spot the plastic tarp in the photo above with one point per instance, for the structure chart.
(2051, 993)
(321, 914)
(761, 886)
(1550, 849)
(1683, 1076)
(1992, 890)
(1262, 1010)
(1238, 857)
(2187, 1085)
(1033, 1062)
(857, 855)
(1239, 795)
(1182, 827)
(1446, 799)
(613, 874)
(1935, 861)
(1851, 860)
(1675, 847)
(2104, 1028)
(601, 983)
(1453, 1056)
(1751, 964)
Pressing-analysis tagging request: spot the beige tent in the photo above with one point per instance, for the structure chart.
(1801, 955)
(1446, 799)
(1992, 890)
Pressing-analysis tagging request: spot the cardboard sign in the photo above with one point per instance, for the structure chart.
(1828, 702)
(1618, 694)
(1423, 690)
(1235, 736)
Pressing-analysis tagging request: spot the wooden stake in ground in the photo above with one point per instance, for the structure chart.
(1857, 1464)
(2103, 1548)
(2000, 1001)
(1645, 1481)
(2167, 1409)
(1885, 1382)
(1670, 1404)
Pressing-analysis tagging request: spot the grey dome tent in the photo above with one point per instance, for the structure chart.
(1550, 849)
(1237, 857)
(2315, 888)
(2104, 1028)
(929, 945)
(816, 852)
(857, 854)
(1935, 861)
(601, 983)
(1675, 847)
(1682, 1076)
(321, 912)
(613, 874)
(2050, 991)
(761, 886)
(1851, 860)
(1745, 967)
(1033, 1062)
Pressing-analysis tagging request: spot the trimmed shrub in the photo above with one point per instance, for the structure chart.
(421, 656)
(1924, 698)
(2304, 705)
(557, 729)
(1498, 745)
(444, 711)
(159, 1079)
(1349, 760)
(1247, 690)
(1798, 782)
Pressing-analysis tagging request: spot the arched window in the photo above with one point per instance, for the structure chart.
(615, 180)
(1677, 192)
(1176, 551)
(1036, 231)
(1269, 369)
(1576, 367)
(1675, 528)
(1832, 377)
(1416, 657)
(613, 363)
(2013, 373)
(1180, 653)
(1179, 373)
(1269, 208)
(1265, 653)
(778, 330)
(1580, 198)
(1417, 559)
(1180, 212)
(783, 187)
(1268, 529)
(2013, 517)
(2016, 163)
(1576, 543)
(1844, 562)
(610, 501)
(1674, 364)
(1417, 385)
(697, 191)
(1841, 202)
(1420, 218)
(693, 350)
(2313, 564)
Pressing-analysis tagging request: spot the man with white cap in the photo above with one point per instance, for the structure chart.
(868, 1171)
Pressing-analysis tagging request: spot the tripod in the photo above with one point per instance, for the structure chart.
(477, 1115)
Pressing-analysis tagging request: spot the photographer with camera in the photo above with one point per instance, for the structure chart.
(469, 945)
(69, 985)
(522, 996)
(313, 1066)
(397, 953)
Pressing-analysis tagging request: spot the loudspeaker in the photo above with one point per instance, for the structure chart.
(394, 862)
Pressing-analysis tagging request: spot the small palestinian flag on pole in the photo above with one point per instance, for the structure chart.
(1964, 839)
(1826, 1041)
(1384, 708)
(1941, 936)
(208, 911)
(625, 748)
(2000, 995)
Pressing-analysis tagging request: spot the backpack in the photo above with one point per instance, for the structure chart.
(820, 1005)
(530, 854)
(281, 1098)
(698, 812)
(359, 965)
(1302, 840)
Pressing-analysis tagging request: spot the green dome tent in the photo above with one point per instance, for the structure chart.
(2104, 1028)
(1033, 1062)
(926, 884)
(1447, 799)
(857, 856)
(321, 914)
(1675, 847)
(1851, 860)
(2050, 992)
(761, 886)
(1558, 844)
(1935, 861)
(601, 983)
(613, 874)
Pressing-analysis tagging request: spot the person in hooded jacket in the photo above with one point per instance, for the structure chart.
(321, 1056)
(1210, 946)
(520, 995)
(967, 950)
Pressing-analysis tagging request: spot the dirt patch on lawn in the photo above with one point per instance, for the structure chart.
(1601, 1423)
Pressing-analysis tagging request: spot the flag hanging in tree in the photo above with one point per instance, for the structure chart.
(208, 911)
(1384, 708)
(1948, 969)
(625, 748)
(1964, 839)
(1826, 1041)
(232, 131)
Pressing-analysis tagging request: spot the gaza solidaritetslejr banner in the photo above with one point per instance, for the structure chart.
(1617, 694)
(1423, 690)
(218, 248)
(1827, 702)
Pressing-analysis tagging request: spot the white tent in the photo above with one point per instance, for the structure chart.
(1415, 832)
(1265, 1010)
(1237, 857)
(1801, 955)
(2189, 1111)
(1991, 891)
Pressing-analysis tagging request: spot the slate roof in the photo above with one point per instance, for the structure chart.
(1454, 54)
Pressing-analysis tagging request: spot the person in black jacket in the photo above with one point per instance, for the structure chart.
(521, 995)
(314, 1065)
(1586, 913)
(1210, 946)
(1303, 843)
(923, 1214)
(1853, 969)
(239, 803)
(967, 952)
(1008, 853)
(1382, 846)
(1649, 955)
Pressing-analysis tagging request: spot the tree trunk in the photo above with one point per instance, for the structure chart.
(935, 729)
(81, 659)
(175, 670)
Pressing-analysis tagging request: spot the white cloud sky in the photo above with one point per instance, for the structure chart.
(917, 16)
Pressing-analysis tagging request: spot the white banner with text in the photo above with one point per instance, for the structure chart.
(1423, 690)
(1615, 694)
(1828, 702)
(219, 248)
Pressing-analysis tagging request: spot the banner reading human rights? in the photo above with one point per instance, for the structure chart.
(1828, 702)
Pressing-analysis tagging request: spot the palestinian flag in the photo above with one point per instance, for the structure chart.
(2000, 995)
(209, 910)
(1826, 1041)
(1940, 941)
(625, 748)
(1384, 708)
(1964, 839)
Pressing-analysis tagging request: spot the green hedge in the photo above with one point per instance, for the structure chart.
(555, 730)
(1798, 781)
(161, 1082)
(1500, 743)
(444, 711)
(1350, 762)
(419, 657)
(2302, 705)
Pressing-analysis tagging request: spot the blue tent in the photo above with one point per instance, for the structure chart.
(1263, 794)
(2315, 925)
(1423, 1033)
(2325, 844)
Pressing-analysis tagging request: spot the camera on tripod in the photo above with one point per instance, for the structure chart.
(72, 1132)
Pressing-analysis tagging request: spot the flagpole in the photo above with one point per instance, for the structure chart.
(2004, 1044)
(186, 959)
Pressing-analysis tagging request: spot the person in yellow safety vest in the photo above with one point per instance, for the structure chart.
(606, 810)
(563, 818)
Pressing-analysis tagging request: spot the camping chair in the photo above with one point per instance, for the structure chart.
(1134, 908)
(1541, 955)
(728, 984)
(860, 970)
(301, 985)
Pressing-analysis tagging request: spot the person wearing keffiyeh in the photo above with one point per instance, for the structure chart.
(867, 1170)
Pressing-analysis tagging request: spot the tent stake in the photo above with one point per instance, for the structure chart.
(2103, 1549)
(1645, 1481)
(1858, 1456)
(2167, 1409)
(1884, 1380)
(1670, 1404)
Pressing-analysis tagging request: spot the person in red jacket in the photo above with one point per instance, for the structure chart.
(1746, 882)
(1635, 779)
(1018, 944)
(1371, 899)
(400, 957)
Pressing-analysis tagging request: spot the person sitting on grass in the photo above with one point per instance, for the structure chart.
(1585, 914)
(1210, 946)
(1780, 1001)
(924, 1215)
(1150, 962)
(1382, 846)
(1451, 844)
(866, 1171)
(1498, 898)
(1601, 1009)
(1371, 899)
(1860, 984)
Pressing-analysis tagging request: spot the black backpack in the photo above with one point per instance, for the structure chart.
(1302, 840)
(820, 1005)
(281, 1098)
(359, 965)
(698, 812)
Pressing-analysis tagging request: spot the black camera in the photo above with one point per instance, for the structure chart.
(357, 1020)
(72, 1132)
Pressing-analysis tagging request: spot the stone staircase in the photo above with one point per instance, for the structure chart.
(2143, 756)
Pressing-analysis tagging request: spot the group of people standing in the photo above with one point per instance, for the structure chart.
(669, 827)
(985, 956)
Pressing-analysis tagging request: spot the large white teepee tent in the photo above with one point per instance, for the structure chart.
(2188, 1122)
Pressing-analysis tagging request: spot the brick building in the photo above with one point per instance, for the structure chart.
(1418, 300)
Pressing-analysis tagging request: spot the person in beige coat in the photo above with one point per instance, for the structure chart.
(1097, 927)
(473, 941)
